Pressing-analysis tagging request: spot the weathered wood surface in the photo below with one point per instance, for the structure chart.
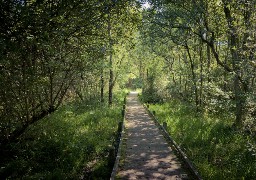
(147, 154)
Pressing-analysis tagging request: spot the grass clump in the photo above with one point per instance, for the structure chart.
(71, 143)
(217, 150)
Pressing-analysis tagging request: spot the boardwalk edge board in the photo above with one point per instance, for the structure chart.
(118, 155)
(178, 149)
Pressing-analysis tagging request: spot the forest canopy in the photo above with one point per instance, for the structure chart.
(54, 51)
(200, 52)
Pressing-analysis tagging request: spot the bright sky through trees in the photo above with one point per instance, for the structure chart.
(146, 5)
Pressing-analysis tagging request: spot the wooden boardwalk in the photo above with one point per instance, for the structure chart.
(147, 154)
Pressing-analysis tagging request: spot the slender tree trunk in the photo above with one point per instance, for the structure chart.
(51, 106)
(225, 73)
(140, 70)
(208, 62)
(185, 86)
(25, 91)
(192, 66)
(201, 73)
(180, 78)
(110, 90)
(111, 75)
(238, 90)
(102, 86)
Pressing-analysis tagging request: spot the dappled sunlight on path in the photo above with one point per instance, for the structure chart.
(147, 154)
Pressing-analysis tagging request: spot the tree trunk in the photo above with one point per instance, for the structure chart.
(111, 76)
(51, 101)
(192, 66)
(238, 91)
(102, 87)
(201, 73)
(180, 78)
(208, 63)
(110, 90)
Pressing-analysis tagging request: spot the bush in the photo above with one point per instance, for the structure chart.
(150, 92)
(61, 146)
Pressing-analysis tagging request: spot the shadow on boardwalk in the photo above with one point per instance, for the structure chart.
(147, 154)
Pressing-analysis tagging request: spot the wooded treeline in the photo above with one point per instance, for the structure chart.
(197, 54)
(202, 51)
(208, 47)
(54, 51)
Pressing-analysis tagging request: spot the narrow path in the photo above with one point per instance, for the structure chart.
(147, 154)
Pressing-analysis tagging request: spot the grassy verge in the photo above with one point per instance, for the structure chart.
(216, 149)
(71, 143)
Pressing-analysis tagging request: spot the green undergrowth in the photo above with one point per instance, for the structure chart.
(71, 143)
(217, 150)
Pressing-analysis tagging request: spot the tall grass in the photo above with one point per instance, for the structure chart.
(71, 143)
(217, 150)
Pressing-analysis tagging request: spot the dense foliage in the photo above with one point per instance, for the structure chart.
(55, 53)
(205, 51)
(208, 50)
(71, 143)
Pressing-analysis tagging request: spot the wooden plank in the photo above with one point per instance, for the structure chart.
(178, 149)
(118, 155)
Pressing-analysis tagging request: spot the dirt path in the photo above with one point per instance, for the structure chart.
(147, 155)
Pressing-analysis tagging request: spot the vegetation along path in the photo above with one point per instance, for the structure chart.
(147, 154)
